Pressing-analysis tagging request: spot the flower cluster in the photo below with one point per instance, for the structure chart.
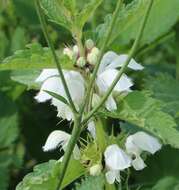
(116, 159)
(108, 70)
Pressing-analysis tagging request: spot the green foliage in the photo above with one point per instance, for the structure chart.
(87, 12)
(67, 14)
(8, 122)
(34, 57)
(5, 161)
(163, 16)
(45, 176)
(91, 183)
(162, 166)
(165, 88)
(145, 112)
(166, 183)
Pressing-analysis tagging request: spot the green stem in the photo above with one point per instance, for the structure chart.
(103, 48)
(177, 53)
(123, 68)
(75, 135)
(50, 44)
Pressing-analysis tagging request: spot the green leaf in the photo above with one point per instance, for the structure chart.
(5, 161)
(57, 96)
(165, 88)
(34, 57)
(58, 12)
(45, 176)
(18, 39)
(163, 16)
(145, 112)
(87, 12)
(8, 122)
(162, 166)
(167, 183)
(26, 77)
(92, 183)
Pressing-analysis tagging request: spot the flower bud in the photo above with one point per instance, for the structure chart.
(89, 44)
(95, 170)
(92, 57)
(81, 62)
(68, 52)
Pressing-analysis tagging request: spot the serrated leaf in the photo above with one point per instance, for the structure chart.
(92, 183)
(145, 112)
(57, 12)
(57, 96)
(87, 12)
(33, 57)
(129, 19)
(45, 176)
(165, 88)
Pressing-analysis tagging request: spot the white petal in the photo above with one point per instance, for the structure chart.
(46, 73)
(76, 86)
(68, 113)
(116, 158)
(138, 163)
(51, 84)
(55, 139)
(105, 79)
(120, 60)
(92, 129)
(118, 178)
(146, 142)
(110, 176)
(106, 60)
(110, 104)
(132, 148)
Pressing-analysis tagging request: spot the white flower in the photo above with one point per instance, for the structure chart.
(51, 81)
(92, 129)
(139, 142)
(116, 160)
(59, 138)
(107, 73)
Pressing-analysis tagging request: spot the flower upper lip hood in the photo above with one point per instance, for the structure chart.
(59, 138)
(107, 73)
(139, 142)
(51, 81)
(116, 160)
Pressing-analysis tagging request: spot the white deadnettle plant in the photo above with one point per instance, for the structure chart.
(116, 159)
